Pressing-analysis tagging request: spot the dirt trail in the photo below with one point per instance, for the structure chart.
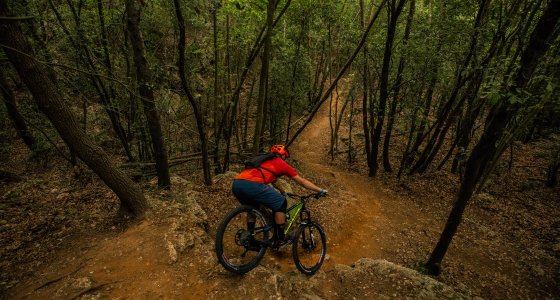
(174, 258)
(504, 249)
(356, 200)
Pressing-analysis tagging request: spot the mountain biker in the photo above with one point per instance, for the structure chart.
(251, 187)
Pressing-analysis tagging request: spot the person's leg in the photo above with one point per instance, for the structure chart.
(242, 191)
(280, 221)
(279, 217)
(251, 221)
(267, 196)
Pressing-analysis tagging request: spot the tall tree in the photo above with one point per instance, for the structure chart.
(451, 107)
(265, 62)
(342, 71)
(49, 99)
(397, 89)
(394, 9)
(85, 56)
(488, 150)
(14, 114)
(365, 95)
(196, 109)
(146, 93)
(112, 109)
(214, 5)
(226, 124)
(475, 103)
(304, 20)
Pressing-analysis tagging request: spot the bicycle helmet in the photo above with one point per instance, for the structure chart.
(280, 149)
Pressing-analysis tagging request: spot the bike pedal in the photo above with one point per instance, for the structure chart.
(279, 245)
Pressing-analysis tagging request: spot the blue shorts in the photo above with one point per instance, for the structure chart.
(256, 193)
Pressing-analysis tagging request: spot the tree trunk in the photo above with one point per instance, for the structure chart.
(465, 128)
(194, 104)
(451, 108)
(216, 92)
(351, 126)
(228, 60)
(396, 96)
(246, 119)
(486, 149)
(339, 76)
(394, 11)
(147, 94)
(339, 119)
(320, 77)
(329, 76)
(365, 94)
(294, 74)
(406, 153)
(259, 43)
(474, 104)
(265, 59)
(84, 55)
(112, 111)
(14, 114)
(49, 100)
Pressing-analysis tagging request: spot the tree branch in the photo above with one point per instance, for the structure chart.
(340, 74)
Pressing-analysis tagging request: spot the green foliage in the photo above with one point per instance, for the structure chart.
(327, 32)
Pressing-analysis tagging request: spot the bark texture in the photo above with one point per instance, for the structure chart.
(147, 94)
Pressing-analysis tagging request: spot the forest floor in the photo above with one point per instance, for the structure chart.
(58, 238)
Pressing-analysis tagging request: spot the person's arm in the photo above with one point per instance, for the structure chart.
(307, 184)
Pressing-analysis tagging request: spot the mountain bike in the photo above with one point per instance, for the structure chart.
(240, 249)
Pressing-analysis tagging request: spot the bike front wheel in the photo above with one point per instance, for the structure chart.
(309, 248)
(239, 248)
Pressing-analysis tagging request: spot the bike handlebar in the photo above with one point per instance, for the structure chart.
(304, 197)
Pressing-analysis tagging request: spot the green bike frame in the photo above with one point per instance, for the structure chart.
(292, 214)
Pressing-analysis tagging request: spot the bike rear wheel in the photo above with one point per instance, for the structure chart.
(238, 249)
(309, 248)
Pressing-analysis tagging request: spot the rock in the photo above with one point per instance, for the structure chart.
(183, 183)
(172, 252)
(484, 197)
(226, 177)
(400, 281)
(83, 283)
(62, 196)
(283, 184)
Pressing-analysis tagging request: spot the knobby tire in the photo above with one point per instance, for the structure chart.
(231, 255)
(309, 248)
